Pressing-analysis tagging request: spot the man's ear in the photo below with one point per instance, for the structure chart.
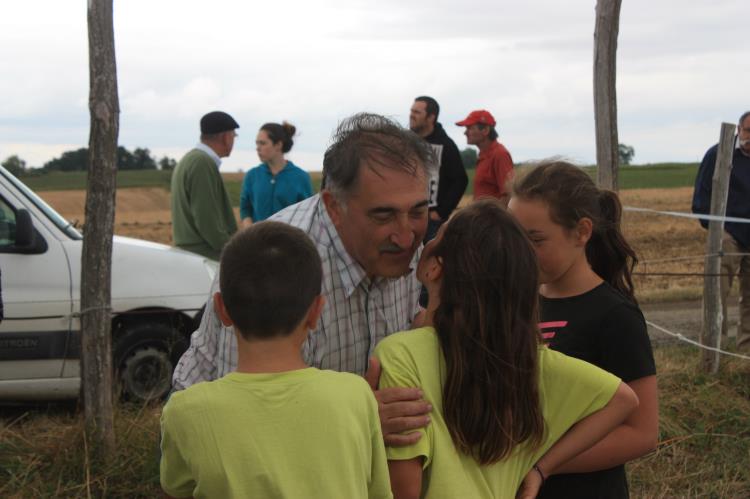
(221, 310)
(313, 313)
(227, 138)
(584, 229)
(333, 206)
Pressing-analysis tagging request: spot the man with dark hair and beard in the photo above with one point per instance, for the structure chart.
(449, 182)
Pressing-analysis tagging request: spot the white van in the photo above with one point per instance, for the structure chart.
(157, 296)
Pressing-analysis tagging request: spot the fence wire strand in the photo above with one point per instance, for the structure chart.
(682, 337)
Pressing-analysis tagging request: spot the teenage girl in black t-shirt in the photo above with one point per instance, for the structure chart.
(588, 311)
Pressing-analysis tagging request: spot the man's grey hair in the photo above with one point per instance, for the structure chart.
(380, 143)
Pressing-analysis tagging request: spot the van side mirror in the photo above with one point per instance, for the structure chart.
(28, 240)
(24, 229)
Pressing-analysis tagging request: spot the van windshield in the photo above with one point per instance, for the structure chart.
(54, 216)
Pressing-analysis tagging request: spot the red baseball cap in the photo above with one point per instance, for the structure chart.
(479, 116)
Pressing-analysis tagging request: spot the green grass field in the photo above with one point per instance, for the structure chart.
(655, 176)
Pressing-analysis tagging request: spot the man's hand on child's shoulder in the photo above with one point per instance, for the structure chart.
(400, 409)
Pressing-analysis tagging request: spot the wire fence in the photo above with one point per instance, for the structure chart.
(698, 344)
(696, 258)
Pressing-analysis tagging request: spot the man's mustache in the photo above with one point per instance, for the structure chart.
(392, 248)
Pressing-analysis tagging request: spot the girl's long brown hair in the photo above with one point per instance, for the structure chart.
(487, 327)
(571, 195)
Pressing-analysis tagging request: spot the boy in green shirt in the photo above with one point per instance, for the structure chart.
(275, 427)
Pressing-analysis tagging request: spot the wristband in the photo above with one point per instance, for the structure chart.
(541, 473)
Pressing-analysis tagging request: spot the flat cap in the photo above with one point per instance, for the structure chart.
(217, 122)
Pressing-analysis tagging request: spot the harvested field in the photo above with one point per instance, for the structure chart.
(144, 213)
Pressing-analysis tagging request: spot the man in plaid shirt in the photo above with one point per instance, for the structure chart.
(367, 223)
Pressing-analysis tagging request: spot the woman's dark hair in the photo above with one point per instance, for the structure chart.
(487, 327)
(281, 133)
(571, 195)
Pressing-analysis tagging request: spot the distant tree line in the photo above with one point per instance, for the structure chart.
(469, 156)
(139, 159)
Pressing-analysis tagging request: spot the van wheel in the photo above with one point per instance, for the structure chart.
(142, 356)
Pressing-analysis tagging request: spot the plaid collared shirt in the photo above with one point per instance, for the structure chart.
(358, 312)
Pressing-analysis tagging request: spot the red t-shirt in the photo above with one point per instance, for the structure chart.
(494, 169)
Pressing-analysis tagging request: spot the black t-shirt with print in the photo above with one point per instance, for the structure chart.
(605, 329)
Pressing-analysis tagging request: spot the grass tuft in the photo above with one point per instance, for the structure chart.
(704, 444)
(44, 453)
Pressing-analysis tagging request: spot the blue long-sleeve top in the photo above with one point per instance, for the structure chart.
(738, 200)
(263, 194)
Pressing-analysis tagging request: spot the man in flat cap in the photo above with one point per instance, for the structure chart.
(202, 216)
(494, 166)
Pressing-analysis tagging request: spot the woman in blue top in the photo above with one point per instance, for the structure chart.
(276, 183)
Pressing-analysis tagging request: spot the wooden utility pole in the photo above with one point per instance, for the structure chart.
(605, 92)
(96, 264)
(712, 310)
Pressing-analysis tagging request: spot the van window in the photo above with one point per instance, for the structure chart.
(55, 217)
(7, 224)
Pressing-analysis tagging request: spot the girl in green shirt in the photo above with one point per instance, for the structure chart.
(500, 399)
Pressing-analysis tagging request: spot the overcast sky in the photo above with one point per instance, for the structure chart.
(682, 70)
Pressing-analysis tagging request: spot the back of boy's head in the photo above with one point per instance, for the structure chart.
(270, 275)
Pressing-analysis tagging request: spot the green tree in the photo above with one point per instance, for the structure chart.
(14, 165)
(167, 163)
(142, 159)
(626, 153)
(125, 159)
(69, 161)
(469, 158)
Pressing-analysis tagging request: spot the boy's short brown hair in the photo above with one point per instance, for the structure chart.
(270, 274)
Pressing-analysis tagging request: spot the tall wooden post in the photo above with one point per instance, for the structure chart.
(96, 351)
(605, 92)
(712, 312)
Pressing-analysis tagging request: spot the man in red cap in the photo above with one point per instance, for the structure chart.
(494, 166)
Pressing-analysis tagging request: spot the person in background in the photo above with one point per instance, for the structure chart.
(277, 182)
(736, 240)
(275, 427)
(589, 311)
(501, 399)
(202, 216)
(448, 184)
(494, 170)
